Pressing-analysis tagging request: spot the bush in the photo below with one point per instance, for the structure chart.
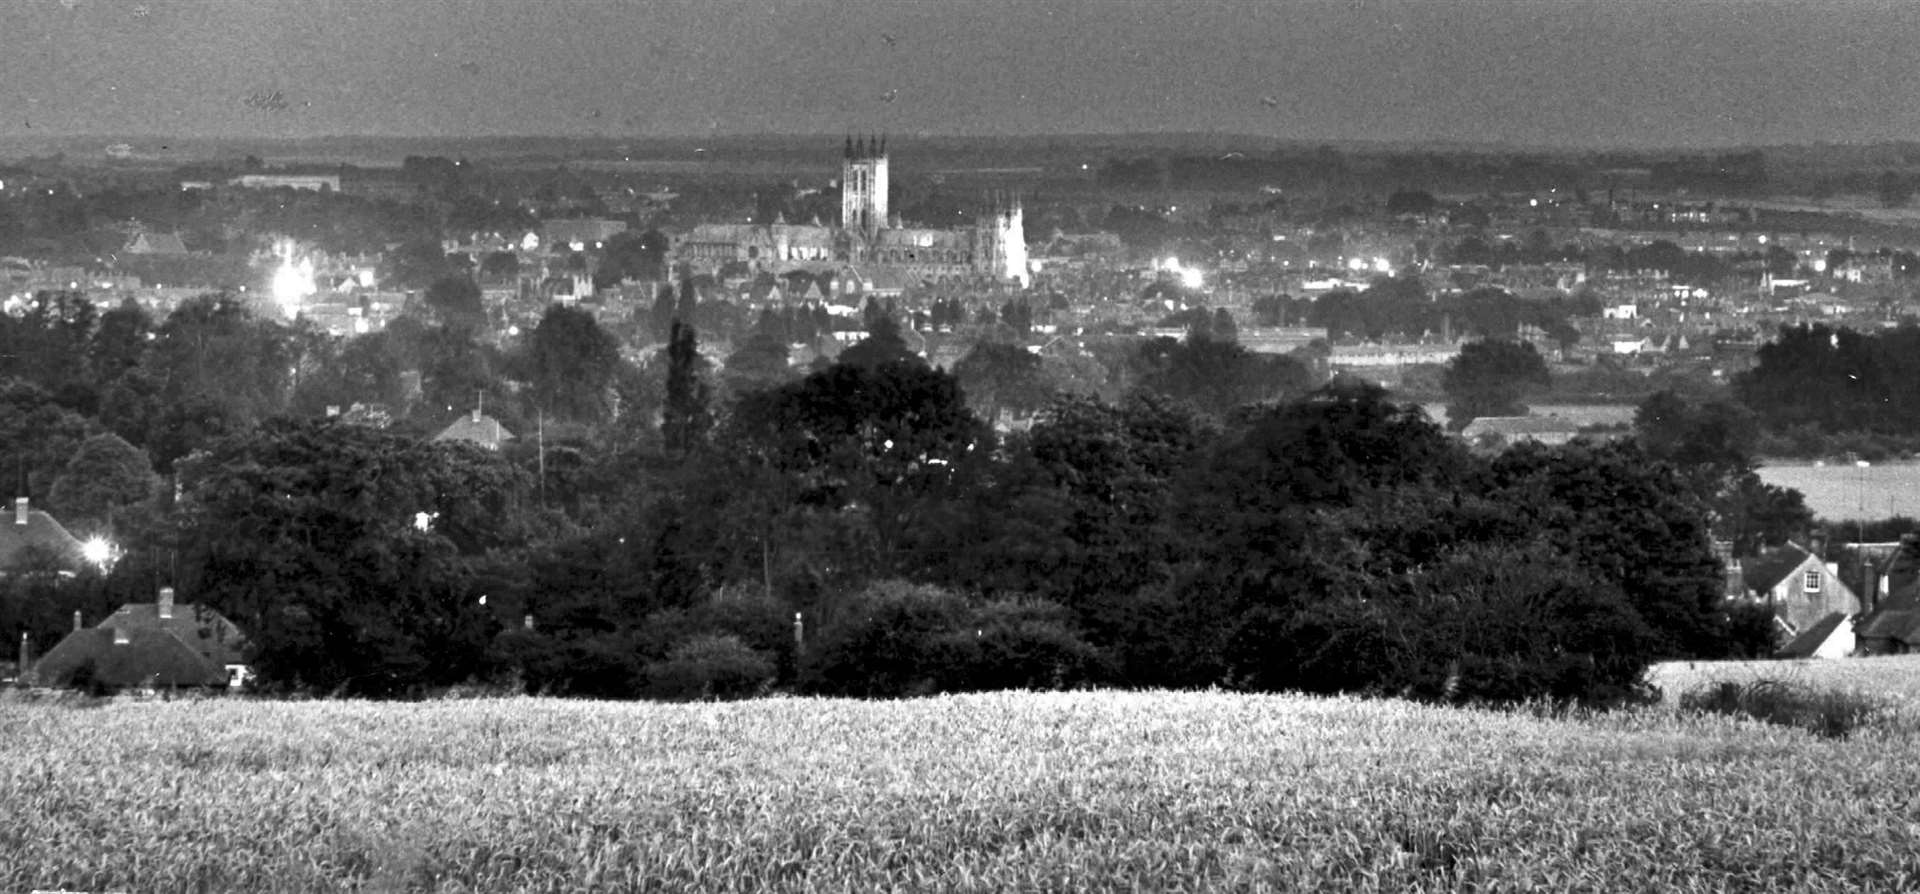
(1015, 644)
(1830, 713)
(710, 666)
(883, 642)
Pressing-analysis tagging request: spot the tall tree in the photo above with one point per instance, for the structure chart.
(572, 363)
(350, 556)
(106, 475)
(1491, 378)
(685, 417)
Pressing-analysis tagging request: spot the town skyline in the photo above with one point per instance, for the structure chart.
(1563, 75)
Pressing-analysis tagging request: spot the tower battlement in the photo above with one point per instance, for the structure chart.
(863, 184)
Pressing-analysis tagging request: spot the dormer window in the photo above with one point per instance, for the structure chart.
(1810, 582)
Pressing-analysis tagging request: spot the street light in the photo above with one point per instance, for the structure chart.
(100, 551)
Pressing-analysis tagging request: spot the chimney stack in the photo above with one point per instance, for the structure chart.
(165, 605)
(527, 622)
(120, 636)
(76, 619)
(21, 676)
(20, 510)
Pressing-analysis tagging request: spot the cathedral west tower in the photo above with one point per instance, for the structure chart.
(863, 186)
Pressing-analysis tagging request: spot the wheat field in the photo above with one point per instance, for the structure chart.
(999, 792)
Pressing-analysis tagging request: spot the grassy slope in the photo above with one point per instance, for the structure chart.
(989, 793)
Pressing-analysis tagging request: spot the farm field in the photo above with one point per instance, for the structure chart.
(1837, 491)
(1000, 792)
(1891, 678)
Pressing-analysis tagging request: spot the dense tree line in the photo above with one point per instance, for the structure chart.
(1219, 524)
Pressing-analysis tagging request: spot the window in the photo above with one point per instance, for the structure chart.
(1811, 582)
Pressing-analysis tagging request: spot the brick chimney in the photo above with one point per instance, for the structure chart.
(165, 606)
(76, 619)
(120, 637)
(19, 510)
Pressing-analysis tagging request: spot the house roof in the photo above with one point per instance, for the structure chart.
(1520, 425)
(1896, 618)
(1810, 640)
(1764, 572)
(147, 656)
(42, 532)
(203, 629)
(157, 244)
(476, 428)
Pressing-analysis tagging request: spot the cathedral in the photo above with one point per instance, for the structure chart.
(869, 245)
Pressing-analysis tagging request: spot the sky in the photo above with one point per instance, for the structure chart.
(1566, 73)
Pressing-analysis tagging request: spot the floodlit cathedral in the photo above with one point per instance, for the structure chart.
(875, 246)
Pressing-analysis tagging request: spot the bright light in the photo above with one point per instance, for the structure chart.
(1820, 265)
(1356, 264)
(99, 551)
(423, 521)
(530, 242)
(366, 279)
(1191, 278)
(577, 245)
(1382, 265)
(1534, 202)
(293, 282)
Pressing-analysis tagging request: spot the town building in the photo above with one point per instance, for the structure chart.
(874, 245)
(149, 644)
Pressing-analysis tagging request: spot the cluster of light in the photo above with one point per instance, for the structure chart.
(292, 282)
(1190, 277)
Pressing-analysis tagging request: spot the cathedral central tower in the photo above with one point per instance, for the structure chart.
(863, 185)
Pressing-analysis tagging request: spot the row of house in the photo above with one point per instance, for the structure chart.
(1820, 616)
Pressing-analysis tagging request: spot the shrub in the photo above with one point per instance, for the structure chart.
(1017, 644)
(710, 666)
(883, 642)
(1830, 713)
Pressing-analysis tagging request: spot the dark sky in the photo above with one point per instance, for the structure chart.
(1543, 72)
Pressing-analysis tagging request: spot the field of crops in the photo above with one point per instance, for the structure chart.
(1004, 792)
(1837, 491)
(1891, 678)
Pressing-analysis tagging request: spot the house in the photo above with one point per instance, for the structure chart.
(1893, 627)
(1830, 637)
(1801, 590)
(149, 644)
(476, 428)
(1500, 431)
(156, 244)
(36, 541)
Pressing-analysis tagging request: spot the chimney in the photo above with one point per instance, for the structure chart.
(476, 415)
(20, 510)
(76, 619)
(120, 636)
(20, 676)
(165, 606)
(527, 622)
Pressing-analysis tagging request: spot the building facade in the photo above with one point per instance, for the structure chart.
(869, 237)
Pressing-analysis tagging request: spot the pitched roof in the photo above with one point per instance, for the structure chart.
(476, 428)
(41, 532)
(1896, 618)
(157, 244)
(1810, 640)
(204, 630)
(1764, 572)
(1519, 425)
(146, 656)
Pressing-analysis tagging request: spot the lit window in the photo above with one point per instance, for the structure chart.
(1811, 582)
